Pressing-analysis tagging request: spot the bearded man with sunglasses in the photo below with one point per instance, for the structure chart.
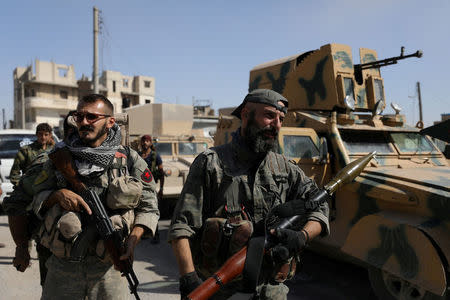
(230, 195)
(100, 162)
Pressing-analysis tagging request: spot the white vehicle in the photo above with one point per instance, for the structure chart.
(11, 140)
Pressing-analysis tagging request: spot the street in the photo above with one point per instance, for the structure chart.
(156, 269)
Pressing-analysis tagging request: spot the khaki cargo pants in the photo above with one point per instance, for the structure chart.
(89, 279)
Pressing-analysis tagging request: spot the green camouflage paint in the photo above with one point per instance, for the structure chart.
(302, 123)
(279, 84)
(343, 58)
(255, 83)
(366, 205)
(316, 84)
(368, 57)
(395, 242)
(440, 207)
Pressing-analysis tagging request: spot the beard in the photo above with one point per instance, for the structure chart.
(257, 138)
(88, 140)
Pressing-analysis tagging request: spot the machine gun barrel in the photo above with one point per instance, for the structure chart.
(388, 61)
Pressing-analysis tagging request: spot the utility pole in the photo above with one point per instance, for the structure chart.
(95, 71)
(419, 96)
(4, 121)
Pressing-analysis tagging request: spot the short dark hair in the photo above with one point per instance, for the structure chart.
(44, 127)
(92, 98)
(68, 126)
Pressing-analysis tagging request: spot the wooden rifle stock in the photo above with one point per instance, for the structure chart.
(232, 268)
(62, 159)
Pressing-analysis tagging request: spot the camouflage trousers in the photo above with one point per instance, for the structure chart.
(90, 279)
(264, 291)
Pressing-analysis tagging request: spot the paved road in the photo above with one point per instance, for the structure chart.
(155, 266)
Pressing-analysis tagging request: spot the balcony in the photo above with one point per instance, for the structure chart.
(36, 102)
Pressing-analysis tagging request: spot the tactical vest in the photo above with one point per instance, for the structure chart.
(61, 229)
(229, 222)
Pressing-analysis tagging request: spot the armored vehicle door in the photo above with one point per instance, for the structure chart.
(304, 146)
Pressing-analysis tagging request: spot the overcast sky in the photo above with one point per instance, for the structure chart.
(205, 49)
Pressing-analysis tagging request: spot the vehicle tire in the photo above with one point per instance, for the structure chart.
(390, 287)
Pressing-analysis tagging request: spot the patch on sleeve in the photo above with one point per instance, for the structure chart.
(147, 176)
(120, 155)
(43, 176)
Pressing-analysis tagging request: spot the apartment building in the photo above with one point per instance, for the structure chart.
(43, 94)
(47, 92)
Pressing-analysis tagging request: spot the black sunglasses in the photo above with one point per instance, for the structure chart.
(90, 117)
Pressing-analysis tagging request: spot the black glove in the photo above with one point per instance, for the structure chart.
(293, 240)
(188, 283)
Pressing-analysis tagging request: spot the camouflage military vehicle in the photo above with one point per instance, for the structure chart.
(394, 218)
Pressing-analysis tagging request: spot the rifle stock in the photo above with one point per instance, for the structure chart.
(234, 266)
(113, 240)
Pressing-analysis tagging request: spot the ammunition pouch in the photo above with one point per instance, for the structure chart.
(220, 239)
(124, 192)
(63, 233)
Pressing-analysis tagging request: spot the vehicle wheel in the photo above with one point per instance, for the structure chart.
(390, 287)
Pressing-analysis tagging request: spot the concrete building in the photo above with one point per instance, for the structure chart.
(50, 91)
(44, 94)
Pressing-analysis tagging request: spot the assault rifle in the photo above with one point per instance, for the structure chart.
(112, 238)
(241, 263)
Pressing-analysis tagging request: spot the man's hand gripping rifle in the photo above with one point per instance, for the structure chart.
(112, 238)
(238, 263)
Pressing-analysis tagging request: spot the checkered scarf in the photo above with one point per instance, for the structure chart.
(102, 155)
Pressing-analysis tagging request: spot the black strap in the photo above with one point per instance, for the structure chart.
(253, 262)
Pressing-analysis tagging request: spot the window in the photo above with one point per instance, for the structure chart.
(299, 146)
(366, 141)
(63, 94)
(62, 72)
(114, 86)
(191, 148)
(147, 101)
(412, 142)
(379, 93)
(33, 93)
(125, 83)
(164, 148)
(147, 83)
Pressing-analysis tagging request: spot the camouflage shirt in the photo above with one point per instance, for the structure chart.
(24, 158)
(259, 185)
(146, 213)
(18, 203)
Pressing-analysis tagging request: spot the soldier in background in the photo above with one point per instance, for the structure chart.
(154, 163)
(23, 225)
(239, 184)
(28, 153)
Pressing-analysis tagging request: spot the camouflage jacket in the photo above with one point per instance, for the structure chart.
(19, 202)
(261, 183)
(146, 213)
(24, 158)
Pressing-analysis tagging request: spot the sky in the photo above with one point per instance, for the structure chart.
(205, 49)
